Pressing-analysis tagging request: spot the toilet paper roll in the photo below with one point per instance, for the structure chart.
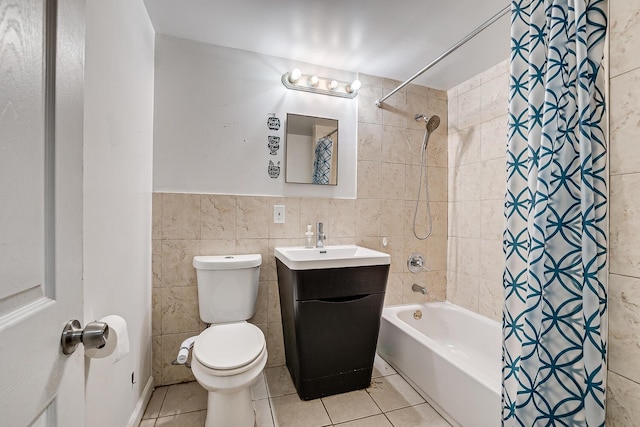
(117, 342)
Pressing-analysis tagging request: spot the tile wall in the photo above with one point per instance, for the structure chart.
(477, 182)
(623, 388)
(185, 225)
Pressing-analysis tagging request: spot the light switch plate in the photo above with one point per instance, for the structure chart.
(278, 214)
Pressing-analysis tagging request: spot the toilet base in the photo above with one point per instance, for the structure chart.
(229, 402)
(230, 409)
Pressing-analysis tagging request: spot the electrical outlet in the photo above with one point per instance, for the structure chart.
(278, 214)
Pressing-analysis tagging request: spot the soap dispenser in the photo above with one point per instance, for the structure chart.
(309, 237)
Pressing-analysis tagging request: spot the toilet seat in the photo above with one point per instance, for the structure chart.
(229, 349)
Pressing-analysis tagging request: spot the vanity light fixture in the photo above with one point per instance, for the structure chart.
(354, 86)
(296, 80)
(294, 76)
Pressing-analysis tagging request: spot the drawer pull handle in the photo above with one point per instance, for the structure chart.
(343, 299)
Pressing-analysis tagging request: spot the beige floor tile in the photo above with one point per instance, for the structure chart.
(381, 368)
(375, 421)
(263, 413)
(290, 411)
(393, 392)
(279, 381)
(155, 403)
(184, 405)
(259, 388)
(350, 406)
(182, 398)
(417, 416)
(192, 419)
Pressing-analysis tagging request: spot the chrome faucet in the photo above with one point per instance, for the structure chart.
(320, 235)
(418, 288)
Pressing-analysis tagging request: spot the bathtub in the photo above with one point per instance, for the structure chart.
(451, 356)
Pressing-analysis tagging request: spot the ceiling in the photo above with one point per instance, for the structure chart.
(388, 38)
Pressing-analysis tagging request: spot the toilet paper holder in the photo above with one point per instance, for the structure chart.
(94, 335)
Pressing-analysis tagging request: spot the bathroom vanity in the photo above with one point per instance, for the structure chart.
(331, 302)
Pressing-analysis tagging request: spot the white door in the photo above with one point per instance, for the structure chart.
(41, 78)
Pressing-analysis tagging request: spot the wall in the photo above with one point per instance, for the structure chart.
(623, 386)
(388, 141)
(117, 200)
(477, 182)
(389, 144)
(211, 121)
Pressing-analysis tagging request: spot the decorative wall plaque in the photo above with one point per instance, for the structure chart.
(273, 123)
(274, 145)
(273, 170)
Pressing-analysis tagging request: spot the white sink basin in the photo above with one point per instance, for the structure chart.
(301, 258)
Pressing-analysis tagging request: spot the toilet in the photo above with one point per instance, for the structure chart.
(230, 354)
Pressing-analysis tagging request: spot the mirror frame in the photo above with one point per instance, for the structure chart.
(312, 126)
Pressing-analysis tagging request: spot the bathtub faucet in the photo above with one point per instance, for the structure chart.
(415, 263)
(419, 289)
(320, 235)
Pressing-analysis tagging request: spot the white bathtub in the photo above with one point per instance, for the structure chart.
(451, 355)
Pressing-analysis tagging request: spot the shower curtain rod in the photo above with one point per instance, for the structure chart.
(445, 54)
(329, 134)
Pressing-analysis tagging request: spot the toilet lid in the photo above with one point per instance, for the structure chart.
(229, 346)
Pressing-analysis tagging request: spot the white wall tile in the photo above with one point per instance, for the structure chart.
(623, 402)
(624, 326)
(624, 30)
(476, 186)
(625, 224)
(625, 123)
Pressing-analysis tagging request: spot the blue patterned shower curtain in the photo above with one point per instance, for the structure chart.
(555, 311)
(322, 161)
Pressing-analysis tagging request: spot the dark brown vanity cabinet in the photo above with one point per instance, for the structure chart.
(330, 321)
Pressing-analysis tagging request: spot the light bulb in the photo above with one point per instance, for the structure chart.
(295, 75)
(333, 84)
(354, 86)
(313, 81)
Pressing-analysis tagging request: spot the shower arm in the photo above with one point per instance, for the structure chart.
(452, 49)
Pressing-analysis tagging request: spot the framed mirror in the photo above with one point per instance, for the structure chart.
(311, 153)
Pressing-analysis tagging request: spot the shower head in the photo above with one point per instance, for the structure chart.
(432, 122)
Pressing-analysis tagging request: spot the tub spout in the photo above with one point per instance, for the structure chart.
(418, 288)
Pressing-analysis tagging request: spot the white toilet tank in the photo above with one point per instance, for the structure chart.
(227, 286)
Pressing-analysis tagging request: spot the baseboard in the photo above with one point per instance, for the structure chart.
(138, 411)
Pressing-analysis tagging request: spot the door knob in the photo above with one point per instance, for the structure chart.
(94, 335)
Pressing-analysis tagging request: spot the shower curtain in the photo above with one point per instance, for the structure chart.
(554, 316)
(322, 161)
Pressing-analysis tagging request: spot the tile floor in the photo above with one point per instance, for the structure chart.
(389, 402)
